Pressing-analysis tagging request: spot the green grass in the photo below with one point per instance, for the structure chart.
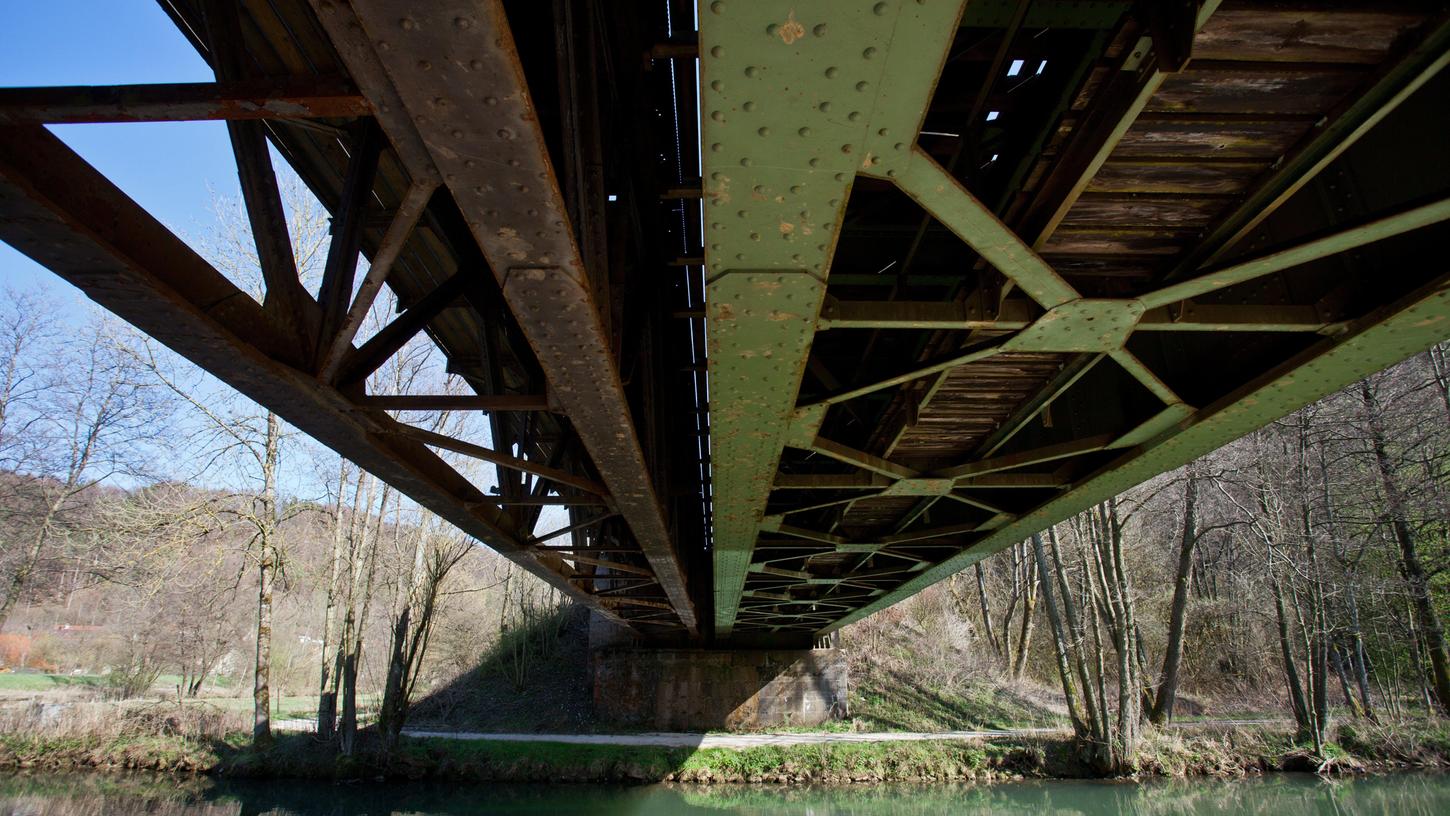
(170, 681)
(1207, 752)
(299, 707)
(16, 681)
(886, 701)
(27, 681)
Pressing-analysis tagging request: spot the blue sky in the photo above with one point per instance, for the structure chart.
(172, 169)
(175, 170)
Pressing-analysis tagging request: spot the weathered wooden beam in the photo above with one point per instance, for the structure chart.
(1070, 373)
(1117, 106)
(1048, 453)
(861, 459)
(1342, 241)
(970, 354)
(1328, 142)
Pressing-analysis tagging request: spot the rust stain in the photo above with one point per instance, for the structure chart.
(786, 228)
(721, 191)
(790, 30)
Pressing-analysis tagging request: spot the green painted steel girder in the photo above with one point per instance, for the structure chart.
(796, 98)
(1377, 230)
(1378, 340)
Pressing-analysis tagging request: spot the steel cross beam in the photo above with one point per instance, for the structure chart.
(1371, 343)
(785, 135)
(64, 214)
(470, 117)
(190, 101)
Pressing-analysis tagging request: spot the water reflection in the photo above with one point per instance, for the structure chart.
(94, 795)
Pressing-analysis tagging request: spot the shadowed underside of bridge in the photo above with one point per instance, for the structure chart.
(962, 268)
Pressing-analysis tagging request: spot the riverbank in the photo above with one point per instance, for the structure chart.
(1206, 751)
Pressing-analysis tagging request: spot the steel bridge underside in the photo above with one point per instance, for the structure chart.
(962, 269)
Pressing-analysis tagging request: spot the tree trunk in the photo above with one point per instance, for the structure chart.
(986, 611)
(393, 710)
(1297, 702)
(1059, 642)
(1338, 657)
(266, 575)
(27, 566)
(1162, 710)
(1078, 643)
(1419, 585)
(1358, 661)
(347, 728)
(326, 699)
(1029, 606)
(262, 679)
(1125, 641)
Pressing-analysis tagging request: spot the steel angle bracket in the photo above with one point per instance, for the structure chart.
(796, 98)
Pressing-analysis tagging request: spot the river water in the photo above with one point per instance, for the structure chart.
(1279, 795)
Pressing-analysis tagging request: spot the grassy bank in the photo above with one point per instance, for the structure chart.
(1219, 753)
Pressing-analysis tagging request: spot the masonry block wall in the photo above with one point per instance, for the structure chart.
(691, 689)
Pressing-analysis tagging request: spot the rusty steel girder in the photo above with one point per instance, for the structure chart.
(312, 98)
(67, 216)
(462, 95)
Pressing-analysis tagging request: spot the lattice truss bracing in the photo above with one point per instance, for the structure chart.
(962, 268)
(460, 147)
(975, 266)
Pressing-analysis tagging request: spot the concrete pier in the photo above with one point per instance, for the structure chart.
(698, 689)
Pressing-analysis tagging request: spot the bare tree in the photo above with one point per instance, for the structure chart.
(238, 432)
(1397, 513)
(434, 557)
(91, 422)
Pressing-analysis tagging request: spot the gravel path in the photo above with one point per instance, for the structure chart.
(677, 739)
